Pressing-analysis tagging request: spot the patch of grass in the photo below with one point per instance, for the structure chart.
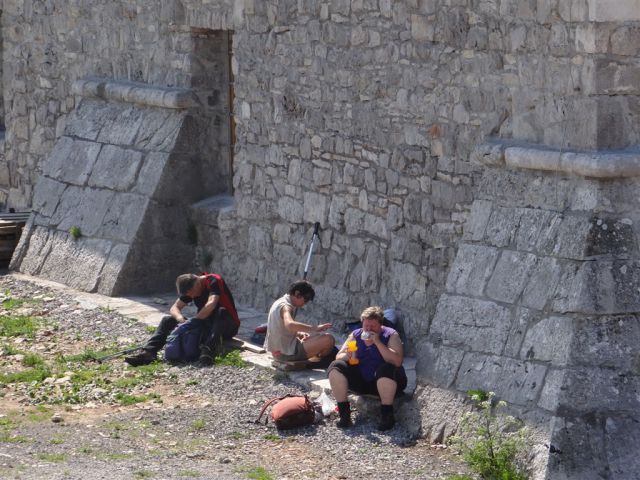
(33, 360)
(87, 355)
(86, 450)
(42, 413)
(117, 456)
(231, 359)
(13, 303)
(127, 399)
(150, 329)
(236, 435)
(272, 436)
(258, 473)
(51, 457)
(460, 477)
(27, 376)
(198, 424)
(192, 382)
(18, 326)
(56, 441)
(7, 437)
(8, 349)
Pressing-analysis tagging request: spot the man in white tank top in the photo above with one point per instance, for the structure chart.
(290, 340)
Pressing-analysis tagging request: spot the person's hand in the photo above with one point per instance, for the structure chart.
(303, 336)
(373, 338)
(323, 327)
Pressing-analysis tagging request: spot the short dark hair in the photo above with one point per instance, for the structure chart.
(185, 282)
(303, 288)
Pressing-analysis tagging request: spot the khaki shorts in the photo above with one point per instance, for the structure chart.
(297, 356)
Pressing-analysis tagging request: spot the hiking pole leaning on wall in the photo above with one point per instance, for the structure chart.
(316, 227)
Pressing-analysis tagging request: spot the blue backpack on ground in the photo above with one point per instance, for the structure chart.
(183, 343)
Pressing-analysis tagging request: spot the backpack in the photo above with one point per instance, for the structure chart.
(183, 343)
(290, 411)
(225, 299)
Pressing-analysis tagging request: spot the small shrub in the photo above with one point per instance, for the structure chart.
(51, 457)
(258, 473)
(198, 424)
(37, 374)
(33, 360)
(75, 232)
(491, 445)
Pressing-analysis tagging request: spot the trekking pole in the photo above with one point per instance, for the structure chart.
(316, 227)
(117, 354)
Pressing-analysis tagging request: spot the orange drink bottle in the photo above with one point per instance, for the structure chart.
(352, 347)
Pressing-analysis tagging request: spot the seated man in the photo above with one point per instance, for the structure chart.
(373, 367)
(216, 309)
(289, 340)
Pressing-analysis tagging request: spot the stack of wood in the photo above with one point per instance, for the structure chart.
(11, 225)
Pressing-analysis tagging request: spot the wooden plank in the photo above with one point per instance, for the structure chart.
(239, 343)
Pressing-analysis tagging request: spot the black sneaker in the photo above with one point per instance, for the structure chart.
(387, 421)
(144, 358)
(344, 421)
(204, 361)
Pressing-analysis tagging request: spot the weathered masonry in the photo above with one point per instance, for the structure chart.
(472, 163)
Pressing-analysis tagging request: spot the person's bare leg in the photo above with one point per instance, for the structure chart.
(387, 391)
(339, 388)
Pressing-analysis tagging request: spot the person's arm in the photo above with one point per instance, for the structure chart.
(294, 327)
(176, 310)
(342, 353)
(393, 352)
(208, 308)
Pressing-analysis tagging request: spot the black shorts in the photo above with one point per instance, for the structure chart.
(359, 385)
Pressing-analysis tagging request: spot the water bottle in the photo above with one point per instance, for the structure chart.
(352, 348)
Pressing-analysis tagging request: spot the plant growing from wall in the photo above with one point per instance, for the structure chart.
(75, 232)
(492, 445)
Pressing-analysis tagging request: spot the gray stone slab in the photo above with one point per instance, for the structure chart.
(150, 173)
(471, 269)
(71, 161)
(470, 324)
(120, 124)
(474, 228)
(523, 318)
(84, 122)
(502, 226)
(514, 381)
(116, 168)
(121, 222)
(542, 283)
(159, 131)
(530, 227)
(566, 237)
(438, 364)
(549, 340)
(76, 263)
(46, 196)
(84, 208)
(32, 251)
(578, 390)
(510, 276)
(111, 269)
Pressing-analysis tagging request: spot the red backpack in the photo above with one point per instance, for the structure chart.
(226, 299)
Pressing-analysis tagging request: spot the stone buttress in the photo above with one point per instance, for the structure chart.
(123, 173)
(541, 306)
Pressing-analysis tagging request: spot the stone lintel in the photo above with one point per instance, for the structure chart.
(606, 164)
(135, 92)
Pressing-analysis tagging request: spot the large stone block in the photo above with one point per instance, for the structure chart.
(46, 195)
(121, 222)
(71, 161)
(116, 168)
(510, 276)
(542, 283)
(470, 324)
(549, 340)
(438, 364)
(471, 269)
(579, 390)
(514, 381)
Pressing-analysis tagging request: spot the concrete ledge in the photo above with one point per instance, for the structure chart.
(134, 92)
(602, 165)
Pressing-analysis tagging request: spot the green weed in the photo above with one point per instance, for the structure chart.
(231, 359)
(75, 232)
(150, 329)
(236, 435)
(56, 441)
(188, 473)
(143, 474)
(258, 473)
(272, 436)
(198, 424)
(491, 445)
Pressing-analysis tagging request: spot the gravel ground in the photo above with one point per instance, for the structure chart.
(84, 419)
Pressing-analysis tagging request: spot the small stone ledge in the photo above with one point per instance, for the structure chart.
(601, 165)
(134, 92)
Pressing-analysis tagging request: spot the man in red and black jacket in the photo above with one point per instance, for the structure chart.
(216, 309)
